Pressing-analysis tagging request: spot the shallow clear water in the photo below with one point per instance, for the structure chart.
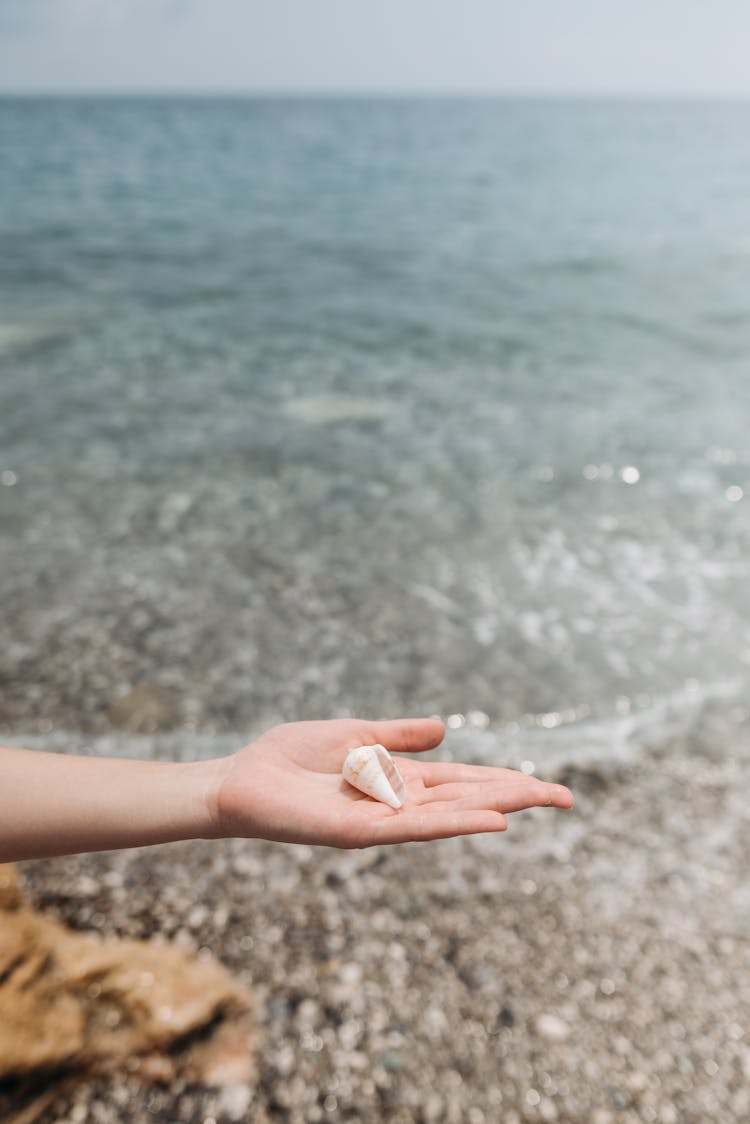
(322, 406)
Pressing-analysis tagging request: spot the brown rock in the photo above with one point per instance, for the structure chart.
(73, 1004)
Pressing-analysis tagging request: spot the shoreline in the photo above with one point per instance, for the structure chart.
(589, 965)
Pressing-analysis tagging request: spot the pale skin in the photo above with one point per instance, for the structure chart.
(285, 786)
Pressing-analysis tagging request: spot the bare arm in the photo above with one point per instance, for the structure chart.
(57, 804)
(284, 786)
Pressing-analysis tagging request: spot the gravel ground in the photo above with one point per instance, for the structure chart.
(587, 966)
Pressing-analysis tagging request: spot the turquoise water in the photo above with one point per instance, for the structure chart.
(311, 407)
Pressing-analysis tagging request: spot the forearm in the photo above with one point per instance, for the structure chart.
(56, 804)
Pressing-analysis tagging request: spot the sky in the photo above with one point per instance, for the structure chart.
(601, 47)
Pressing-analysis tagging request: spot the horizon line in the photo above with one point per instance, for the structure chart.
(301, 93)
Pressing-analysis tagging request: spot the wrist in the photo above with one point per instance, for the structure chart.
(207, 780)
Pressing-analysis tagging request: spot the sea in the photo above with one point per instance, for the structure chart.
(327, 406)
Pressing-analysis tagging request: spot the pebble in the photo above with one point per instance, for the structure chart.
(551, 1027)
(234, 1101)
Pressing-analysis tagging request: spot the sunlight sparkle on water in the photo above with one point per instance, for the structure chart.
(478, 719)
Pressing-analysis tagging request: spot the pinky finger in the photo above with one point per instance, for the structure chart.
(419, 827)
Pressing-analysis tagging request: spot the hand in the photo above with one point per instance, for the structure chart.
(287, 786)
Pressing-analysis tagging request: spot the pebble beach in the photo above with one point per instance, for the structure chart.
(585, 966)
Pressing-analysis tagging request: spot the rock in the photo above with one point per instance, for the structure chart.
(72, 1005)
(551, 1027)
(234, 1101)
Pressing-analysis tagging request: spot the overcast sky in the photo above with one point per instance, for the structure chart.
(673, 47)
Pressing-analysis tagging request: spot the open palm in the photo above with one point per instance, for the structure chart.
(287, 786)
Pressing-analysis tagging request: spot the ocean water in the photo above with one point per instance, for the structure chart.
(316, 407)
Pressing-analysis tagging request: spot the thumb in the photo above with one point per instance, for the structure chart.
(409, 735)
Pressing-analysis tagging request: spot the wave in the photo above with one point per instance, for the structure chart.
(601, 746)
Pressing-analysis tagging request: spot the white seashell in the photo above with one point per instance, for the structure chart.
(372, 770)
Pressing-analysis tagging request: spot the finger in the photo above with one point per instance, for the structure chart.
(435, 773)
(418, 826)
(408, 735)
(445, 772)
(509, 795)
